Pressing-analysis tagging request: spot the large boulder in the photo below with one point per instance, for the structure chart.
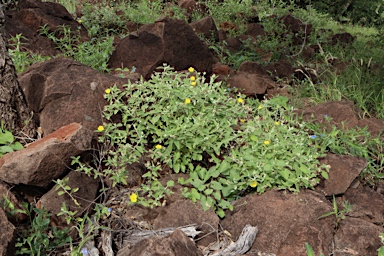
(31, 15)
(46, 159)
(61, 91)
(169, 41)
(285, 221)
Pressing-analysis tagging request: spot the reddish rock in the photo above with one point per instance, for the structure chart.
(255, 30)
(7, 239)
(206, 27)
(295, 25)
(285, 221)
(233, 44)
(366, 203)
(375, 126)
(175, 244)
(31, 15)
(357, 237)
(165, 41)
(88, 188)
(250, 84)
(46, 159)
(281, 69)
(61, 91)
(340, 113)
(344, 170)
(184, 212)
(192, 5)
(253, 68)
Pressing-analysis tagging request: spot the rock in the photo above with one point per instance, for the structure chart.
(255, 30)
(285, 221)
(233, 45)
(192, 5)
(366, 204)
(281, 69)
(250, 84)
(342, 39)
(206, 27)
(45, 159)
(32, 40)
(165, 41)
(7, 239)
(184, 212)
(375, 126)
(253, 68)
(295, 25)
(61, 91)
(344, 170)
(175, 244)
(357, 237)
(5, 191)
(88, 188)
(31, 15)
(341, 113)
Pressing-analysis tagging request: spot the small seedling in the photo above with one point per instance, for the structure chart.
(340, 214)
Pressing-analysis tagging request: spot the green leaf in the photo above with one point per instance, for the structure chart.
(285, 173)
(324, 174)
(208, 191)
(61, 192)
(6, 137)
(380, 251)
(170, 183)
(254, 138)
(220, 212)
(195, 195)
(17, 146)
(5, 149)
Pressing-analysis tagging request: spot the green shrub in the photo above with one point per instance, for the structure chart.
(229, 146)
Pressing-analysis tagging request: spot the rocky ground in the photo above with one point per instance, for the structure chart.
(67, 99)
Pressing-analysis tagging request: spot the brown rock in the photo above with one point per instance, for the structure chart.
(255, 30)
(280, 69)
(175, 244)
(343, 171)
(7, 239)
(46, 159)
(342, 38)
(341, 113)
(88, 188)
(233, 44)
(296, 25)
(61, 91)
(15, 218)
(375, 126)
(192, 5)
(285, 222)
(357, 237)
(206, 27)
(250, 84)
(366, 204)
(165, 41)
(185, 212)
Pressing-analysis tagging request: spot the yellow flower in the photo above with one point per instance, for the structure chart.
(259, 107)
(158, 146)
(80, 21)
(242, 120)
(108, 91)
(253, 184)
(133, 198)
(193, 83)
(100, 128)
(187, 100)
(240, 100)
(277, 123)
(192, 78)
(267, 142)
(191, 69)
